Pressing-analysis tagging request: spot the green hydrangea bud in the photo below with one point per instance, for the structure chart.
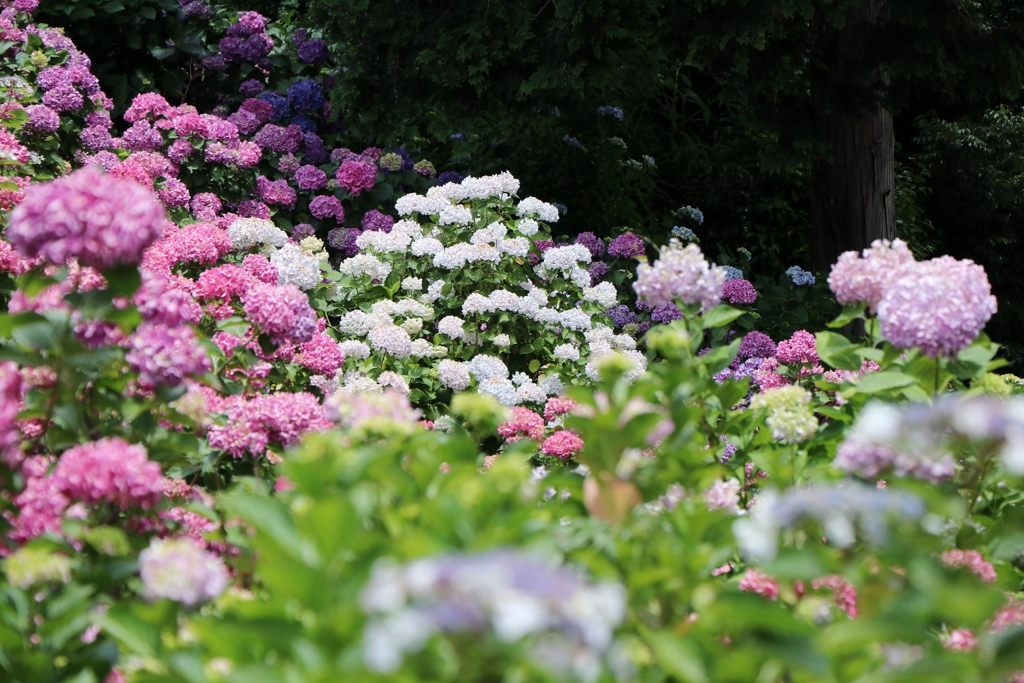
(391, 162)
(31, 566)
(790, 416)
(108, 540)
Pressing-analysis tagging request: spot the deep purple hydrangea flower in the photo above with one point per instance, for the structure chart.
(757, 345)
(344, 240)
(251, 88)
(197, 11)
(305, 123)
(300, 36)
(313, 149)
(282, 110)
(626, 245)
(375, 220)
(278, 139)
(666, 313)
(313, 52)
(449, 177)
(302, 231)
(597, 270)
(305, 96)
(99, 220)
(621, 315)
(214, 63)
(739, 292)
(543, 245)
(593, 243)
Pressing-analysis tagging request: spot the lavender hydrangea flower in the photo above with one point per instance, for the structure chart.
(180, 570)
(799, 276)
(621, 315)
(739, 292)
(666, 313)
(757, 345)
(939, 305)
(680, 273)
(165, 355)
(99, 220)
(251, 88)
(375, 220)
(42, 119)
(592, 242)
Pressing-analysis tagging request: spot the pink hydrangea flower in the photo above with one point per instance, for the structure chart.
(260, 267)
(972, 560)
(800, 348)
(253, 424)
(147, 104)
(524, 424)
(854, 279)
(109, 471)
(562, 444)
(165, 355)
(558, 405)
(356, 176)
(844, 593)
(939, 306)
(99, 220)
(320, 354)
(756, 581)
(280, 311)
(680, 274)
(41, 504)
(959, 640)
(178, 569)
(739, 291)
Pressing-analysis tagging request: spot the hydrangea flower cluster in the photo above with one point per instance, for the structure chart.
(178, 569)
(680, 274)
(503, 592)
(790, 415)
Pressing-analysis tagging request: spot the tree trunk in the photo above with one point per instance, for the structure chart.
(852, 186)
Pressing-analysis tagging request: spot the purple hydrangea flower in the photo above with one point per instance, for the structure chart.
(666, 313)
(739, 292)
(626, 245)
(313, 149)
(375, 220)
(305, 96)
(42, 119)
(310, 178)
(327, 206)
(251, 88)
(313, 52)
(166, 355)
(757, 345)
(593, 243)
(282, 109)
(344, 240)
(597, 270)
(449, 177)
(621, 315)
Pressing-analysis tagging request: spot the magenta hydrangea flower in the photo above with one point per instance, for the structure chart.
(800, 348)
(680, 274)
(11, 148)
(42, 119)
(280, 311)
(939, 306)
(558, 405)
(626, 245)
(275, 191)
(145, 104)
(260, 267)
(165, 355)
(854, 279)
(109, 471)
(179, 150)
(739, 291)
(321, 354)
(327, 206)
(253, 424)
(524, 424)
(87, 215)
(174, 194)
(310, 178)
(356, 176)
(562, 444)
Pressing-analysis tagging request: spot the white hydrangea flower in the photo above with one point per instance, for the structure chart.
(391, 339)
(412, 284)
(483, 366)
(246, 233)
(552, 385)
(327, 385)
(421, 348)
(603, 294)
(517, 246)
(365, 264)
(425, 206)
(384, 242)
(426, 245)
(564, 258)
(412, 325)
(413, 308)
(527, 227)
(520, 378)
(451, 326)
(580, 277)
(567, 352)
(408, 228)
(476, 303)
(502, 341)
(503, 300)
(535, 207)
(530, 393)
(395, 381)
(454, 257)
(358, 383)
(455, 215)
(297, 267)
(501, 388)
(433, 292)
(453, 374)
(574, 319)
(492, 234)
(483, 252)
(354, 349)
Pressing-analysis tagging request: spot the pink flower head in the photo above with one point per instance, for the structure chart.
(356, 176)
(87, 215)
(260, 267)
(558, 405)
(855, 279)
(800, 348)
(109, 471)
(844, 593)
(524, 424)
(756, 581)
(739, 291)
(939, 305)
(280, 311)
(327, 206)
(223, 282)
(972, 560)
(268, 418)
(206, 206)
(145, 104)
(562, 444)
(129, 170)
(321, 354)
(959, 640)
(11, 148)
(41, 504)
(158, 301)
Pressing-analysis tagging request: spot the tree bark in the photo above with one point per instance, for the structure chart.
(852, 186)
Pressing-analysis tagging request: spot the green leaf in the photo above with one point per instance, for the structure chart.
(876, 382)
(123, 280)
(679, 657)
(836, 350)
(850, 313)
(720, 316)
